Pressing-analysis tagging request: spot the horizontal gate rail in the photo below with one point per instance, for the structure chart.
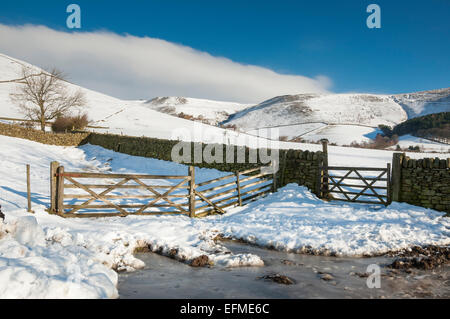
(121, 206)
(357, 186)
(211, 189)
(122, 186)
(109, 176)
(218, 194)
(216, 180)
(252, 170)
(256, 183)
(356, 193)
(358, 178)
(346, 168)
(255, 190)
(121, 196)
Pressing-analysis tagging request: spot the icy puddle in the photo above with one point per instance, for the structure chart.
(314, 276)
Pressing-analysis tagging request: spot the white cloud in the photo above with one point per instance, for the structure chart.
(132, 67)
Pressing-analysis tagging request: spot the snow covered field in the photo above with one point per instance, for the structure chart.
(43, 255)
(295, 130)
(32, 266)
(346, 134)
(295, 220)
(342, 134)
(406, 141)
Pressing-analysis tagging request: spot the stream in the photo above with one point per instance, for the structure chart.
(313, 276)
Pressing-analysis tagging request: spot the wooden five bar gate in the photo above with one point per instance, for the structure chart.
(369, 185)
(101, 195)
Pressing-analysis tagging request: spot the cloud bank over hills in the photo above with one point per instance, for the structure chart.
(131, 67)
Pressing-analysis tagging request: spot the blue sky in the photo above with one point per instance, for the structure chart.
(409, 53)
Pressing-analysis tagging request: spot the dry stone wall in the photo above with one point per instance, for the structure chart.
(425, 182)
(62, 139)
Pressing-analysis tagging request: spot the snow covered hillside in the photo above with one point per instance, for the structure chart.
(207, 111)
(341, 118)
(46, 256)
(316, 116)
(135, 118)
(309, 116)
(366, 109)
(423, 103)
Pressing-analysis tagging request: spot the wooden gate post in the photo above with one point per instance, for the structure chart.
(397, 159)
(192, 191)
(323, 186)
(319, 183)
(29, 189)
(60, 190)
(274, 177)
(324, 142)
(281, 182)
(388, 184)
(238, 187)
(53, 167)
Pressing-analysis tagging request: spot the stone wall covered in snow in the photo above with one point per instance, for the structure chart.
(425, 182)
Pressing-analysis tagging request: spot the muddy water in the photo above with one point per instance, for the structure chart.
(314, 276)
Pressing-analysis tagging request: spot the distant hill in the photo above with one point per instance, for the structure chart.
(341, 118)
(365, 109)
(206, 111)
(433, 126)
(425, 102)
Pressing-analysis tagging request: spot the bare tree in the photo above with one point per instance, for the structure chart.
(43, 96)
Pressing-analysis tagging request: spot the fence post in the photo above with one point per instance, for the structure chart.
(53, 167)
(324, 172)
(319, 183)
(388, 184)
(29, 189)
(397, 159)
(274, 178)
(192, 191)
(238, 186)
(60, 190)
(284, 169)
